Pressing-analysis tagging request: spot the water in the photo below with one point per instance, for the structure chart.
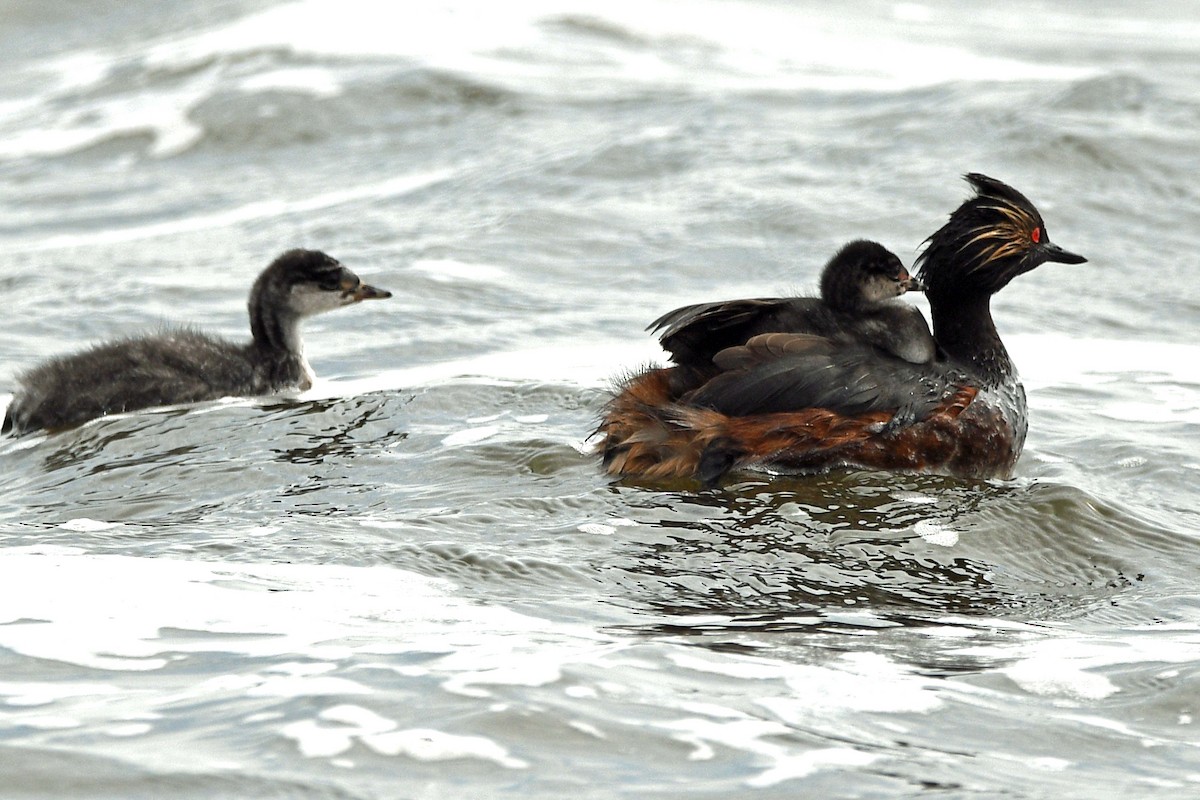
(413, 581)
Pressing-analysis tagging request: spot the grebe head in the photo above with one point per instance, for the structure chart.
(301, 283)
(864, 274)
(989, 240)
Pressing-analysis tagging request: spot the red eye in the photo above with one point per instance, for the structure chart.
(1036, 235)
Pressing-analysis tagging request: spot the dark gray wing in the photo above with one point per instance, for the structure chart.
(694, 334)
(896, 328)
(781, 372)
(913, 341)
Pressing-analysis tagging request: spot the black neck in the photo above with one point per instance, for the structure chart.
(274, 331)
(277, 341)
(963, 328)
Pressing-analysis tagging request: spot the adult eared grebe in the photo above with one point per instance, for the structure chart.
(797, 401)
(185, 366)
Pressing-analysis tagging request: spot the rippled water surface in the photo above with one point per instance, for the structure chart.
(413, 581)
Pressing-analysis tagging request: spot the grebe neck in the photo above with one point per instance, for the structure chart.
(964, 330)
(279, 346)
(275, 330)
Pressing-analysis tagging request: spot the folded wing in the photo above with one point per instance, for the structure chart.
(694, 334)
(786, 372)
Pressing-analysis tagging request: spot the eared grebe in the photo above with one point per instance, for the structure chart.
(858, 287)
(185, 366)
(790, 399)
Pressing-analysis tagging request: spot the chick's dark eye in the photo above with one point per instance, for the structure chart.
(329, 284)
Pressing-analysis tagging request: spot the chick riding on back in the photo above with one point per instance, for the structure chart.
(747, 391)
(861, 283)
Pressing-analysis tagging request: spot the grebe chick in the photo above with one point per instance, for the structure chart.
(856, 287)
(180, 365)
(802, 403)
(861, 283)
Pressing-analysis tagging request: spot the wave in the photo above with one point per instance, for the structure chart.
(239, 215)
(746, 45)
(583, 49)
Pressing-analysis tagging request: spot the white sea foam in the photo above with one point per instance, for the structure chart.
(316, 81)
(86, 525)
(162, 114)
(596, 529)
(755, 45)
(591, 364)
(302, 632)
(1058, 676)
(470, 436)
(1071, 668)
(1049, 359)
(29, 694)
(336, 729)
(448, 270)
(79, 69)
(936, 533)
(426, 744)
(800, 766)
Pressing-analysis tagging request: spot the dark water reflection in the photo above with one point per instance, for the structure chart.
(903, 550)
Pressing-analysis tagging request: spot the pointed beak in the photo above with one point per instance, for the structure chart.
(910, 283)
(1053, 252)
(365, 292)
